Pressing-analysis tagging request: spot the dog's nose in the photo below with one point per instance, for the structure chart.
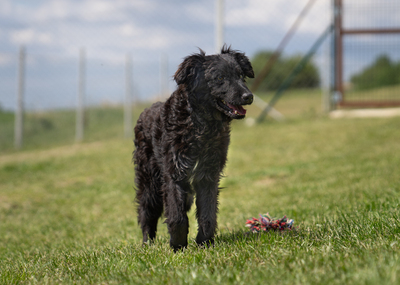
(248, 98)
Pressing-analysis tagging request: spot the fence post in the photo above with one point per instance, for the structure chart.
(80, 119)
(326, 82)
(338, 53)
(19, 114)
(128, 97)
(219, 25)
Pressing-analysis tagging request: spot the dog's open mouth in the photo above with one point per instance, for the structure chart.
(235, 111)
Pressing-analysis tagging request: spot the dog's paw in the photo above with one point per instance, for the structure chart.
(178, 247)
(205, 243)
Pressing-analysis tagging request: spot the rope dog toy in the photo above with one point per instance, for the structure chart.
(265, 223)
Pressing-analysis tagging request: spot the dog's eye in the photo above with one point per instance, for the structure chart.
(220, 78)
(241, 76)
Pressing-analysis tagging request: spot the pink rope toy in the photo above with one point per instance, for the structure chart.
(265, 223)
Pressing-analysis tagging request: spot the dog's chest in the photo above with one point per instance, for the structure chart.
(209, 153)
(210, 141)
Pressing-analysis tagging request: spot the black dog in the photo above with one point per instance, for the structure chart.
(182, 144)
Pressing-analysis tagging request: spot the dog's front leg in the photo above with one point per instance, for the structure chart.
(207, 208)
(176, 205)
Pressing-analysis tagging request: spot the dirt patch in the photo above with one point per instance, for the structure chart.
(267, 181)
(365, 113)
(63, 151)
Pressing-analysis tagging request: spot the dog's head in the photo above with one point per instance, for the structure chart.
(218, 80)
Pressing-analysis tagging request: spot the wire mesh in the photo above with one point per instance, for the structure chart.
(371, 53)
(370, 14)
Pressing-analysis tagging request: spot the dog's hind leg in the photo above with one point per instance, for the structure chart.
(177, 201)
(207, 208)
(150, 203)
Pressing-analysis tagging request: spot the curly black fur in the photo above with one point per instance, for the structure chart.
(181, 145)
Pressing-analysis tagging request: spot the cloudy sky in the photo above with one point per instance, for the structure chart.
(53, 31)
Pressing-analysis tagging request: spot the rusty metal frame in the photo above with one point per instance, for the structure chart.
(339, 33)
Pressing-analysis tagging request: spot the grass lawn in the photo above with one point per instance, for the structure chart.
(375, 94)
(67, 214)
(56, 128)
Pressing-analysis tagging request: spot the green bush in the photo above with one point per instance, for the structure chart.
(382, 72)
(307, 78)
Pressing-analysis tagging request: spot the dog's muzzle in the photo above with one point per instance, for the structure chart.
(247, 98)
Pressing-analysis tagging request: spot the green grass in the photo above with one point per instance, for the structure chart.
(67, 214)
(294, 104)
(56, 128)
(380, 93)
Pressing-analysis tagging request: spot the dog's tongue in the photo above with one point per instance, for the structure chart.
(239, 109)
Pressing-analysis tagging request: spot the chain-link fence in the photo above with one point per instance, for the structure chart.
(369, 52)
(156, 35)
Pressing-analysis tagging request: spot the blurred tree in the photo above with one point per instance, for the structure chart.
(283, 66)
(382, 72)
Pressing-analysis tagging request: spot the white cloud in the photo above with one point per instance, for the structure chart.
(5, 59)
(25, 36)
(108, 29)
(5, 7)
(86, 10)
(103, 26)
(278, 14)
(317, 19)
(50, 11)
(200, 12)
(30, 36)
(253, 12)
(129, 30)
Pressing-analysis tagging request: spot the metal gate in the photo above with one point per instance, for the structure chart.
(367, 53)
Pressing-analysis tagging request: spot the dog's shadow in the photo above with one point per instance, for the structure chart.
(242, 237)
(237, 238)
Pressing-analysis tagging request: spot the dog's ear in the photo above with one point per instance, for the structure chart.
(245, 64)
(189, 70)
(240, 58)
